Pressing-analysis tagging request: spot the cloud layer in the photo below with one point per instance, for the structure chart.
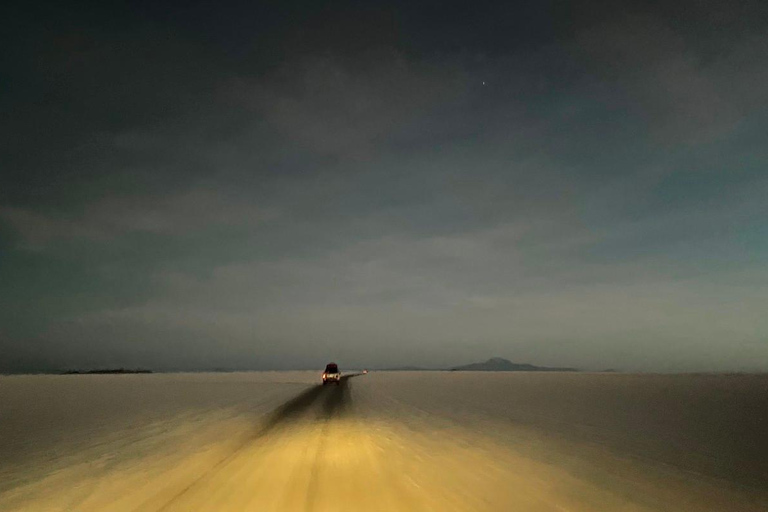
(358, 186)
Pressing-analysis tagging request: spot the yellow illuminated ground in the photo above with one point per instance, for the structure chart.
(357, 447)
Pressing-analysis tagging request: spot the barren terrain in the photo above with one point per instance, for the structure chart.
(384, 441)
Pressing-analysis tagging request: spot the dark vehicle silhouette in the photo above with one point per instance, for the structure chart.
(331, 374)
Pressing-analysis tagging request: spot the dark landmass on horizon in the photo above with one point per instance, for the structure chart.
(494, 364)
(499, 364)
(105, 371)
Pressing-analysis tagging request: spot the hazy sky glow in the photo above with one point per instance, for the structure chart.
(236, 185)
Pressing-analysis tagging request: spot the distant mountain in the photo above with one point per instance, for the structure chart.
(499, 364)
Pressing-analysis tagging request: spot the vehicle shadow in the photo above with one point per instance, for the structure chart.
(336, 402)
(292, 409)
(337, 399)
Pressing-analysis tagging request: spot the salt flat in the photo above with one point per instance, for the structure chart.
(384, 441)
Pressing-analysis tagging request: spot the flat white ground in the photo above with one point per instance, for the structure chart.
(276, 441)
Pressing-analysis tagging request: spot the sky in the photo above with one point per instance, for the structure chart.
(273, 185)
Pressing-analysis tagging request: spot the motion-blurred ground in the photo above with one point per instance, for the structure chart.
(385, 441)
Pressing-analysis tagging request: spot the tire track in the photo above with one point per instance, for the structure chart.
(336, 403)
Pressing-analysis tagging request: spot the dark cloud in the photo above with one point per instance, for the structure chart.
(683, 88)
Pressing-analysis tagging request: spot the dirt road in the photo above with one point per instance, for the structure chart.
(354, 446)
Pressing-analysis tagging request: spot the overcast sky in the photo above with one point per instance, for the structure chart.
(278, 184)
